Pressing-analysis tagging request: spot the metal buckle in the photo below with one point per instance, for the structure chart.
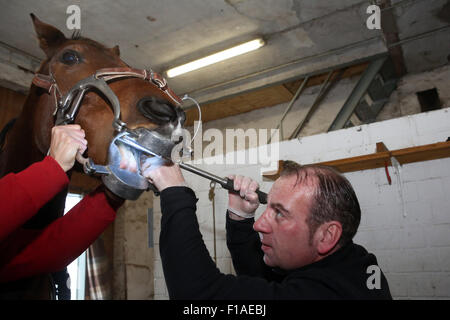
(71, 102)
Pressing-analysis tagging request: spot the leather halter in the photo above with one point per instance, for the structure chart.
(67, 106)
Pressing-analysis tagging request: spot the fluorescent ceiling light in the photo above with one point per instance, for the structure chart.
(216, 57)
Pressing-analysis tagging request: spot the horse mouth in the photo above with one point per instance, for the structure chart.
(136, 162)
(129, 158)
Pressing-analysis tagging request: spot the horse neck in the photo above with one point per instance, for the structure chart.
(24, 143)
(25, 146)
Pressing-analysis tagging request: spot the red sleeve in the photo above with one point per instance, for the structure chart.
(24, 193)
(63, 240)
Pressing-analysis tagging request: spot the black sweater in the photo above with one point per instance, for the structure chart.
(190, 272)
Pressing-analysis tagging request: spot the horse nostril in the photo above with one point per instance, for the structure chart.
(157, 110)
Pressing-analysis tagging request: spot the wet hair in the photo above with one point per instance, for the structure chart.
(334, 198)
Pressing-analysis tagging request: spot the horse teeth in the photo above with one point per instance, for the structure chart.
(127, 161)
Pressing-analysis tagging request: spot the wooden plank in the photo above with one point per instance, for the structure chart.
(371, 161)
(382, 148)
(377, 160)
(391, 35)
(231, 106)
(274, 175)
(422, 153)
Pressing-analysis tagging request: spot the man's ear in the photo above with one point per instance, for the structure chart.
(49, 37)
(328, 235)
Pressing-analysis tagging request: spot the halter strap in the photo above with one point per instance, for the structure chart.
(146, 75)
(48, 83)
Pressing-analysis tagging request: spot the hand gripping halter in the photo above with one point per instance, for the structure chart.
(161, 141)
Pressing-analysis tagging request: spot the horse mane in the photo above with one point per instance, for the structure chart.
(4, 132)
(76, 35)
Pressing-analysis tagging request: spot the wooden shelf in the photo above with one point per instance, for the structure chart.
(381, 158)
(423, 153)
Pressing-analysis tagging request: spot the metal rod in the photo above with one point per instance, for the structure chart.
(356, 95)
(202, 173)
(289, 107)
(224, 182)
(297, 130)
(137, 146)
(294, 98)
(212, 197)
(182, 165)
(418, 36)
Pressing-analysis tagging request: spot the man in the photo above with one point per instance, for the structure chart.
(304, 249)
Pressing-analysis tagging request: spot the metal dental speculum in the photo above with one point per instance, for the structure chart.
(141, 143)
(125, 183)
(157, 145)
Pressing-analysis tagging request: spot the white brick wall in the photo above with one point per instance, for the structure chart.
(410, 235)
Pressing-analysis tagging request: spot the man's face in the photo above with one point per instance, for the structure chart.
(283, 230)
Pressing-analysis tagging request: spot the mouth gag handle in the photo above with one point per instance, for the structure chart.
(226, 183)
(90, 168)
(262, 196)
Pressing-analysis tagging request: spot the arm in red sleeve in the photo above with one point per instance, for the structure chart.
(24, 193)
(63, 240)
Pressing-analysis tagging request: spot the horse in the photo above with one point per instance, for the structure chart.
(145, 99)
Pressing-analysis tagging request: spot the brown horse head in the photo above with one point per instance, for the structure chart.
(71, 60)
(142, 105)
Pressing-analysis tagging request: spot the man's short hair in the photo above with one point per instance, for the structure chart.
(334, 198)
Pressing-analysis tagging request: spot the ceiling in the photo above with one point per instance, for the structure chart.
(302, 36)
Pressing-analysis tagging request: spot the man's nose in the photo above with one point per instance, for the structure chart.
(262, 224)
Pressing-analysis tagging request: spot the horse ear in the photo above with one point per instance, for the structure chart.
(49, 37)
(116, 50)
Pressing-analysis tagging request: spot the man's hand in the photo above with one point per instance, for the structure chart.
(246, 201)
(66, 141)
(163, 176)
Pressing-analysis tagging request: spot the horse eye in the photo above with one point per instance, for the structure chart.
(70, 58)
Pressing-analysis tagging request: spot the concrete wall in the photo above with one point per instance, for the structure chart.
(402, 102)
(406, 224)
(133, 259)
